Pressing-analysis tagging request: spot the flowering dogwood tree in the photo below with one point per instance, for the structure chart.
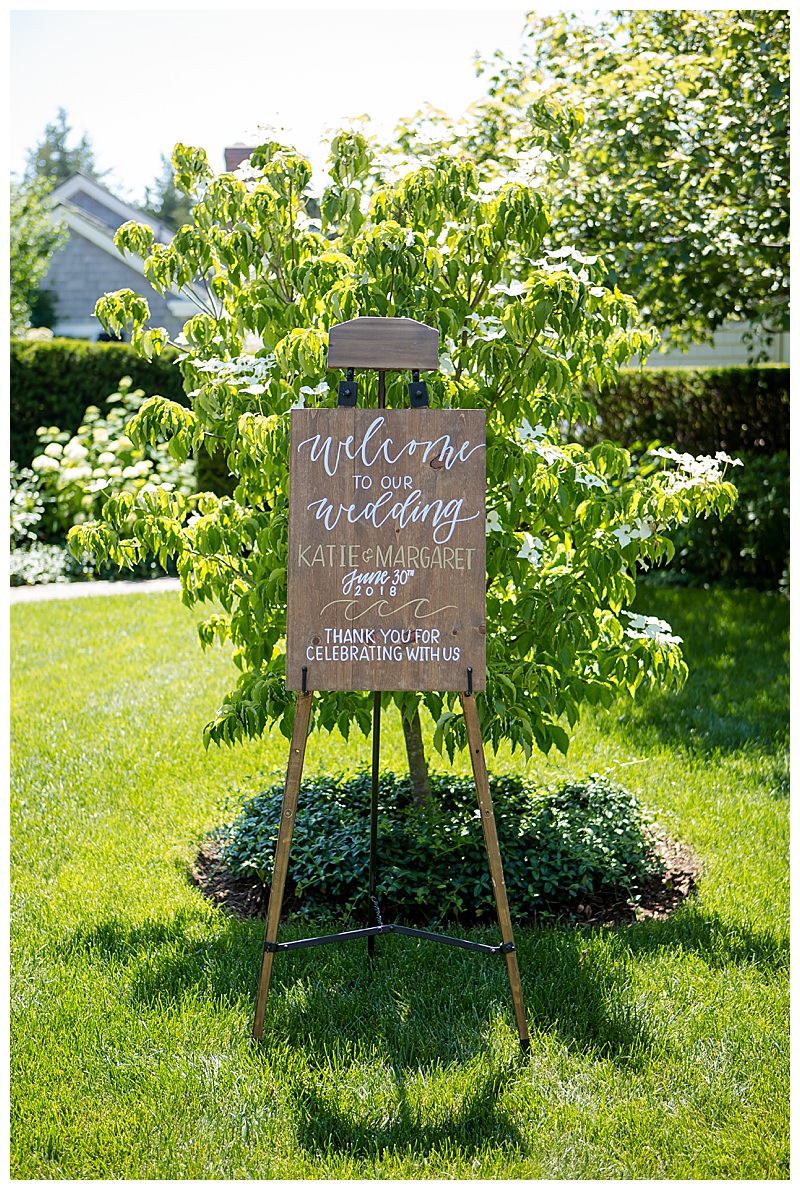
(523, 333)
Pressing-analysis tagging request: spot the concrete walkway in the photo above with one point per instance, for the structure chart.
(74, 590)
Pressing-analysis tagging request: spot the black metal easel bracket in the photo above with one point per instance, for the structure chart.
(373, 931)
(347, 396)
(348, 391)
(417, 392)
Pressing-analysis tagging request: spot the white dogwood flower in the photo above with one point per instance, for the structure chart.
(650, 628)
(532, 549)
(512, 288)
(487, 328)
(695, 470)
(625, 534)
(589, 479)
(528, 433)
(572, 252)
(550, 453)
(249, 371)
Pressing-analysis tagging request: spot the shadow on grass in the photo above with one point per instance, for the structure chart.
(737, 695)
(714, 941)
(404, 1114)
(419, 1008)
(161, 962)
(582, 992)
(417, 1004)
(415, 1051)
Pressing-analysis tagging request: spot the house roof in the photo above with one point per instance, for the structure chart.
(91, 211)
(79, 188)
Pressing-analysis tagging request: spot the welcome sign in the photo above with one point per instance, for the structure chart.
(387, 549)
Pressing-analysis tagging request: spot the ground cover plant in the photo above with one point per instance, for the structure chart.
(659, 1050)
(559, 846)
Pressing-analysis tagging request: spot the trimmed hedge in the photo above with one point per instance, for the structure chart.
(52, 382)
(699, 410)
(741, 410)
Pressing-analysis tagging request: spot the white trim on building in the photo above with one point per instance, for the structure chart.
(727, 349)
(79, 183)
(90, 231)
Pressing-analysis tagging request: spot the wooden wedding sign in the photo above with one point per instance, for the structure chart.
(386, 588)
(387, 549)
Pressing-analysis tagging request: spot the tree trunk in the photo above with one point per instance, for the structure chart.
(417, 765)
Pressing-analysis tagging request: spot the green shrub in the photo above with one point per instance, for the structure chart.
(77, 471)
(53, 381)
(557, 845)
(70, 479)
(699, 410)
(739, 410)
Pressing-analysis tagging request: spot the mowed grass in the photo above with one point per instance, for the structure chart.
(658, 1051)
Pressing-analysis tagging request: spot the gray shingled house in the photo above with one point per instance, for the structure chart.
(89, 265)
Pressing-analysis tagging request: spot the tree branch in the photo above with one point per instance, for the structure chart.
(503, 388)
(222, 562)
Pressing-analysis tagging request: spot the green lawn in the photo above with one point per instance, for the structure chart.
(658, 1051)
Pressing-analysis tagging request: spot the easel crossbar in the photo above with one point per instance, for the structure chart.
(372, 931)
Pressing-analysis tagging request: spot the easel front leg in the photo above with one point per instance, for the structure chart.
(495, 863)
(291, 789)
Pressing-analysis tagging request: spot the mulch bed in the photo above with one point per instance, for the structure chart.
(247, 898)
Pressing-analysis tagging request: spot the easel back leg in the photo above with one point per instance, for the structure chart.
(291, 790)
(495, 863)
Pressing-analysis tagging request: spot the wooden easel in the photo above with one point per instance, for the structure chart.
(384, 344)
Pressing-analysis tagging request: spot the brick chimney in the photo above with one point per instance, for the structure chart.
(235, 155)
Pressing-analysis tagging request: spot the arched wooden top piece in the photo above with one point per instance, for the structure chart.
(393, 344)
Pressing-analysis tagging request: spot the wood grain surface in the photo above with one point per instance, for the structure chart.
(387, 549)
(386, 343)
